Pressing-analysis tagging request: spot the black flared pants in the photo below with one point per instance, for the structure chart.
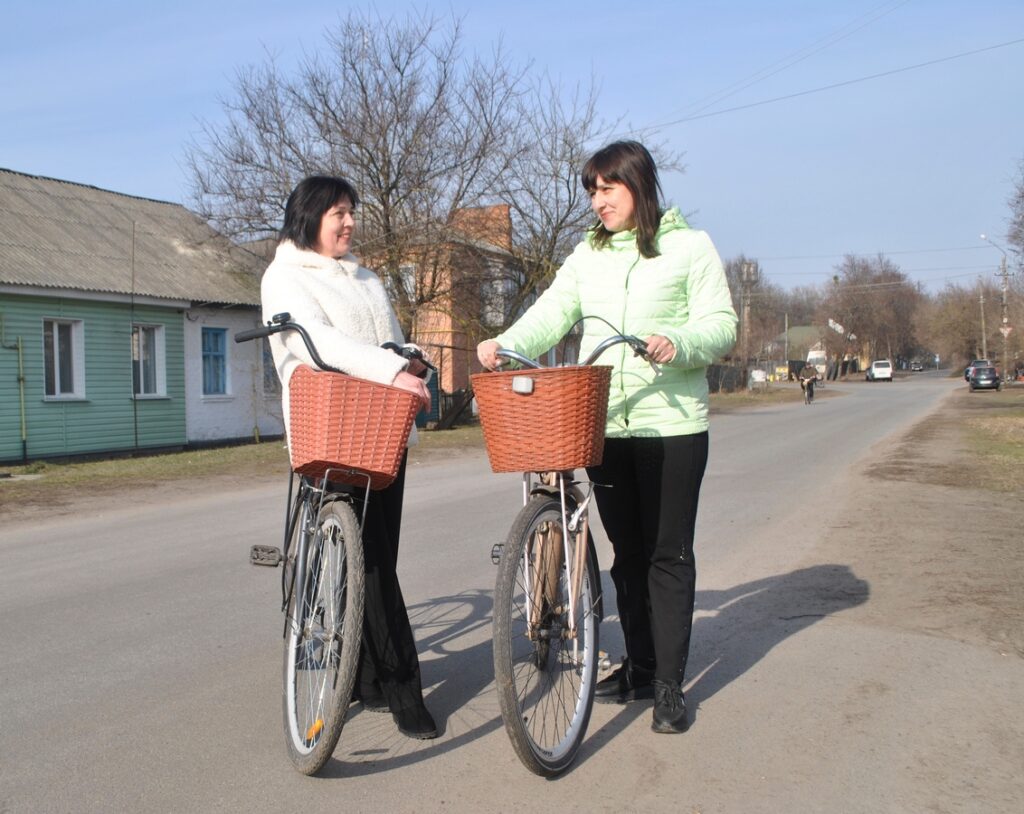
(389, 650)
(648, 507)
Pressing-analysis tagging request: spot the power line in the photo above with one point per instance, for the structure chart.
(793, 59)
(835, 85)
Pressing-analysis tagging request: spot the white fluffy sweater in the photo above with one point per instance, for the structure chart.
(342, 306)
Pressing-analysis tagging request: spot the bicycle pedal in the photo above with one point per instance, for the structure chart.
(265, 555)
(496, 550)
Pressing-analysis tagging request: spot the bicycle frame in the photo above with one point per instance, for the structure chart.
(573, 551)
(576, 525)
(305, 510)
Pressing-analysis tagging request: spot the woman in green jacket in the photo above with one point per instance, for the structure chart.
(646, 272)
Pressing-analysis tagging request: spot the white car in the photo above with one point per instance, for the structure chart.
(880, 371)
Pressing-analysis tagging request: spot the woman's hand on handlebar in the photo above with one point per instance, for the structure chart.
(487, 353)
(417, 367)
(660, 349)
(415, 385)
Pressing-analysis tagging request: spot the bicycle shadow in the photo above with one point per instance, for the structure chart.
(455, 675)
(735, 628)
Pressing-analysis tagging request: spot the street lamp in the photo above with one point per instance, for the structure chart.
(1005, 329)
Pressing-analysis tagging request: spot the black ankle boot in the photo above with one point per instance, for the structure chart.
(629, 682)
(410, 713)
(415, 722)
(669, 708)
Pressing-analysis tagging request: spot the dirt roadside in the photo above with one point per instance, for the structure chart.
(941, 545)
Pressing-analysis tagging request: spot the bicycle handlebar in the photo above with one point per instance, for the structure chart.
(636, 343)
(283, 322)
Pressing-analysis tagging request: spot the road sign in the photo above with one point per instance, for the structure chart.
(1005, 330)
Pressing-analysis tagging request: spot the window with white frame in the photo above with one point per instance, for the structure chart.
(148, 374)
(215, 361)
(64, 358)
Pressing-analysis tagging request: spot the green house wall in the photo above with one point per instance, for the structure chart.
(108, 418)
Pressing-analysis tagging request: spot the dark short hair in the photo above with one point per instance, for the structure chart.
(628, 163)
(311, 199)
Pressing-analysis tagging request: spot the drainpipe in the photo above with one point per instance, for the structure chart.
(21, 387)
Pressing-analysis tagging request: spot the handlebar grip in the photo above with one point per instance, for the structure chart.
(254, 333)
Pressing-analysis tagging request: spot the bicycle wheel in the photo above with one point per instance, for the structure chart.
(545, 676)
(323, 633)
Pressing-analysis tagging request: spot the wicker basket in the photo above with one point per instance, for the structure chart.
(558, 425)
(340, 421)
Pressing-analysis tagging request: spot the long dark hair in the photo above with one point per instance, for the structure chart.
(309, 202)
(628, 163)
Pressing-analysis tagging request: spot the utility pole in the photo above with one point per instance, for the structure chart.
(984, 341)
(748, 277)
(1005, 328)
(785, 356)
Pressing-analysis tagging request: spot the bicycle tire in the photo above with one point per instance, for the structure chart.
(546, 685)
(323, 634)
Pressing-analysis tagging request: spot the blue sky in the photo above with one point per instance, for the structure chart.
(915, 164)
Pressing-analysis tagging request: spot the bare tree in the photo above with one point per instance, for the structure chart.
(769, 307)
(950, 324)
(550, 209)
(393, 105)
(802, 304)
(426, 134)
(877, 302)
(1015, 234)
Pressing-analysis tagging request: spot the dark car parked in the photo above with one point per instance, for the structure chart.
(974, 364)
(984, 378)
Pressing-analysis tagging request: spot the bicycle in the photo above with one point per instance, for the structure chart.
(548, 602)
(807, 385)
(322, 583)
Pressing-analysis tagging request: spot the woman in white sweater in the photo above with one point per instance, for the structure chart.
(346, 312)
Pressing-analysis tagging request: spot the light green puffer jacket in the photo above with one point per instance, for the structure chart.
(682, 294)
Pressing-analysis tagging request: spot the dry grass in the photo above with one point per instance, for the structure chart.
(249, 460)
(256, 461)
(995, 422)
(996, 439)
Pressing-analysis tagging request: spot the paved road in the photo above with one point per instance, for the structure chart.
(140, 662)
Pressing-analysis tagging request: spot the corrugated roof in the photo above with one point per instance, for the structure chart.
(58, 234)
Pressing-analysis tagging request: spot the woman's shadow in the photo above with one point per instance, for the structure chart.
(736, 627)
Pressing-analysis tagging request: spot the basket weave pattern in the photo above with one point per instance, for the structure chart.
(340, 421)
(560, 425)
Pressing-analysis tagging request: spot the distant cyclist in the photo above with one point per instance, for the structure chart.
(808, 376)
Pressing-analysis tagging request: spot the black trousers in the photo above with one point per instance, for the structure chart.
(388, 650)
(649, 513)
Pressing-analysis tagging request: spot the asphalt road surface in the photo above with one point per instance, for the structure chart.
(140, 653)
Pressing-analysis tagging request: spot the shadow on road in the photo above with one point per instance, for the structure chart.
(738, 626)
(735, 628)
(458, 677)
